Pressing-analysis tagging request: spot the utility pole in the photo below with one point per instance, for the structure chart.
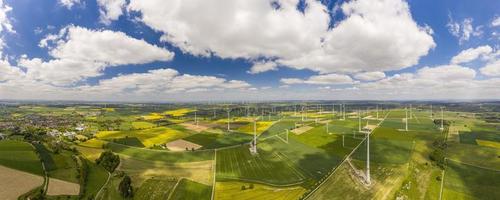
(377, 112)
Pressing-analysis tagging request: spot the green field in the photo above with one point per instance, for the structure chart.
(96, 178)
(469, 182)
(190, 190)
(230, 190)
(21, 156)
(160, 155)
(214, 140)
(155, 189)
(269, 167)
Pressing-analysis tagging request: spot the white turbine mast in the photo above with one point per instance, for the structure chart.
(406, 118)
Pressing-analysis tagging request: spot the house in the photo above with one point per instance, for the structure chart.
(80, 127)
(54, 133)
(69, 134)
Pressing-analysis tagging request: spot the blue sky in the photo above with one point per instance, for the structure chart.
(260, 50)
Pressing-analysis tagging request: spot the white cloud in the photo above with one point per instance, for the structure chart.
(446, 73)
(159, 82)
(496, 21)
(325, 79)
(79, 53)
(8, 72)
(260, 67)
(471, 54)
(370, 76)
(234, 29)
(110, 10)
(492, 69)
(463, 31)
(5, 24)
(69, 3)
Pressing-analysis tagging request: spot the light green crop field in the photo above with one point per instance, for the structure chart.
(143, 125)
(190, 190)
(215, 140)
(155, 189)
(269, 167)
(161, 155)
(469, 182)
(21, 156)
(230, 190)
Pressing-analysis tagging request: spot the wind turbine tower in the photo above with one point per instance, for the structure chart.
(368, 179)
(253, 145)
(431, 112)
(406, 119)
(377, 112)
(343, 110)
(359, 120)
(442, 119)
(228, 119)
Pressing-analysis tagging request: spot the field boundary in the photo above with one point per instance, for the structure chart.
(343, 161)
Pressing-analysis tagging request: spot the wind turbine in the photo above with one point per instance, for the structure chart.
(442, 119)
(406, 118)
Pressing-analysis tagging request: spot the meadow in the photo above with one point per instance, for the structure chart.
(21, 156)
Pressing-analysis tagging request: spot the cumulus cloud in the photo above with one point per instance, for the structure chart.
(69, 3)
(496, 21)
(471, 54)
(8, 72)
(5, 24)
(301, 40)
(260, 67)
(370, 76)
(110, 10)
(79, 53)
(447, 73)
(324, 79)
(491, 69)
(464, 30)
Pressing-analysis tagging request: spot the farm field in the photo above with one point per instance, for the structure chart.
(190, 190)
(463, 181)
(59, 187)
(21, 156)
(230, 190)
(326, 160)
(14, 183)
(155, 189)
(238, 164)
(146, 137)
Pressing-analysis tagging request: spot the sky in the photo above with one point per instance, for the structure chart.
(241, 50)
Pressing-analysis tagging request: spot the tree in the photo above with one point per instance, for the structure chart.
(108, 160)
(125, 187)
